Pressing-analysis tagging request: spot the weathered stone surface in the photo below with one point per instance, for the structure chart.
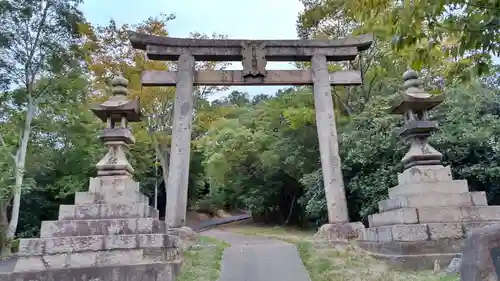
(168, 48)
(414, 255)
(469, 226)
(106, 211)
(140, 272)
(459, 214)
(42, 246)
(102, 227)
(412, 232)
(328, 143)
(397, 216)
(446, 230)
(82, 259)
(454, 265)
(477, 258)
(113, 184)
(477, 198)
(417, 262)
(111, 196)
(408, 189)
(184, 233)
(449, 246)
(178, 174)
(430, 173)
(337, 234)
(235, 78)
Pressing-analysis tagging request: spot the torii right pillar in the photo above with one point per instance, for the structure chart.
(338, 230)
(428, 215)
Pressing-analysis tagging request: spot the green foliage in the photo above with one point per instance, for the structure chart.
(423, 32)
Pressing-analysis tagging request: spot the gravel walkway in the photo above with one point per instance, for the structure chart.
(253, 258)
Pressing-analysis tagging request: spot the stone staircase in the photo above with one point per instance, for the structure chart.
(111, 225)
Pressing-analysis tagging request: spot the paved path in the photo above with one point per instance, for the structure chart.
(254, 258)
(7, 264)
(215, 222)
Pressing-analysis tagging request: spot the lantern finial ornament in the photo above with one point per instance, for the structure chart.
(414, 105)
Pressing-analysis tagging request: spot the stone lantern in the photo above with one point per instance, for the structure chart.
(117, 112)
(426, 216)
(414, 105)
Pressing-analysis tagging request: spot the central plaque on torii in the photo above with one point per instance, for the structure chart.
(254, 55)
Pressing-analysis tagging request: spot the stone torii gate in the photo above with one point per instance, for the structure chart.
(254, 55)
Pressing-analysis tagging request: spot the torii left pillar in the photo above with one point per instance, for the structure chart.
(178, 176)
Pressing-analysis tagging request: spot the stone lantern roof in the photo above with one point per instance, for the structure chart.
(118, 106)
(415, 97)
(414, 105)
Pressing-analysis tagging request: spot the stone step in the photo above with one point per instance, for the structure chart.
(426, 173)
(414, 247)
(435, 215)
(82, 259)
(106, 211)
(412, 232)
(110, 197)
(165, 271)
(397, 216)
(59, 245)
(113, 183)
(462, 214)
(420, 232)
(101, 227)
(429, 188)
(477, 198)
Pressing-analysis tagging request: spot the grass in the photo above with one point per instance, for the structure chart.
(334, 265)
(202, 260)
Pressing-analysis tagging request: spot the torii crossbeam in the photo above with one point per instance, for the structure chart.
(254, 54)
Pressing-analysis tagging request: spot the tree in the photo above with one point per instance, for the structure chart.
(38, 41)
(464, 32)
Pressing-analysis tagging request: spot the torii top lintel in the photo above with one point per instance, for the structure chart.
(170, 48)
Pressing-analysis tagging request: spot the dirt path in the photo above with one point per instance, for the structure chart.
(253, 258)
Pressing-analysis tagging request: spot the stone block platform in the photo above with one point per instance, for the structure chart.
(426, 219)
(109, 226)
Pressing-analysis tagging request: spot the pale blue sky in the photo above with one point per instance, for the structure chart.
(254, 19)
(238, 19)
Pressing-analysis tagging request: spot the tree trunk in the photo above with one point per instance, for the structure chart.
(5, 245)
(20, 169)
(163, 157)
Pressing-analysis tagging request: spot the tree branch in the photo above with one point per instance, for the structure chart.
(2, 142)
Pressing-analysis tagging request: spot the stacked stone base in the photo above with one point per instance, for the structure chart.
(112, 225)
(426, 219)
